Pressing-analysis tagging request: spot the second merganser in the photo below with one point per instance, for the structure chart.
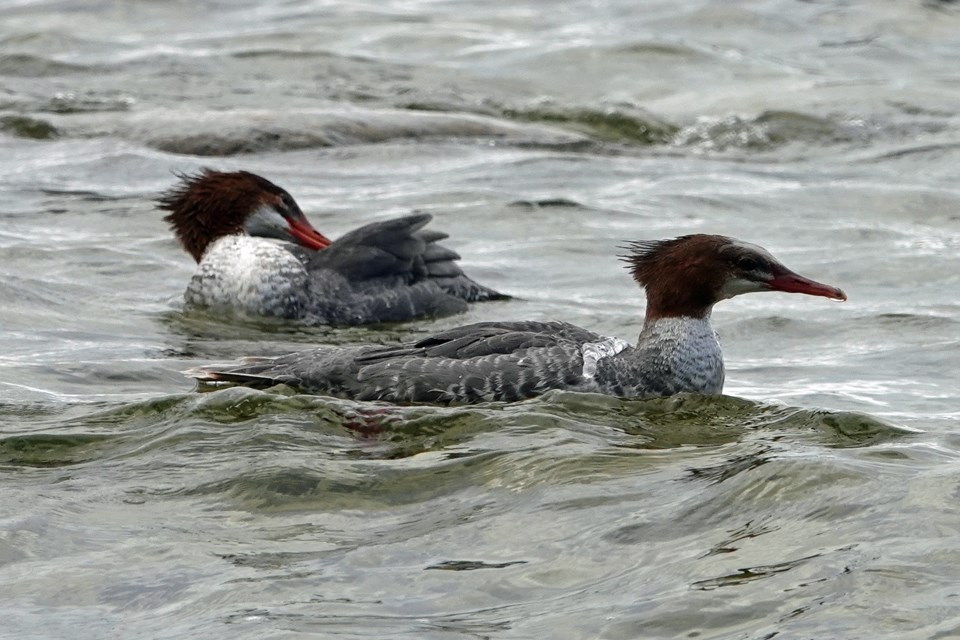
(677, 350)
(389, 271)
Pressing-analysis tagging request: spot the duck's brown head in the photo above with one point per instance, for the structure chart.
(211, 204)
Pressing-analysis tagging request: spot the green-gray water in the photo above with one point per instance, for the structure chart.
(818, 499)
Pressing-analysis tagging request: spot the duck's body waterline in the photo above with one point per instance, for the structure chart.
(505, 361)
(389, 271)
(677, 350)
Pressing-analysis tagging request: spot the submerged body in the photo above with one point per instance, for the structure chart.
(388, 271)
(677, 349)
(504, 361)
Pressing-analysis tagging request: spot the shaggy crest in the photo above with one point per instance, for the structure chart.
(681, 275)
(649, 259)
(211, 204)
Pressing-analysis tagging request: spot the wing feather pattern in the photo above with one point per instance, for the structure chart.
(480, 362)
(391, 271)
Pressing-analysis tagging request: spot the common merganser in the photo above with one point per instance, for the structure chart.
(389, 271)
(677, 350)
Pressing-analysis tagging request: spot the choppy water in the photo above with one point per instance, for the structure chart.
(819, 499)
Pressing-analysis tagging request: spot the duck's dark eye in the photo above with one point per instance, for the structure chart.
(746, 263)
(288, 202)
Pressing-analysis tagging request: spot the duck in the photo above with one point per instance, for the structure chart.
(677, 350)
(258, 256)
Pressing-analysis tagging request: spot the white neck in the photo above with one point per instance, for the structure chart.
(686, 350)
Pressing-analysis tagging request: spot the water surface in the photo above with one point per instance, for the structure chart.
(818, 498)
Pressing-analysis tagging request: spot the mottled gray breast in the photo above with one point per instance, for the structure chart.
(672, 355)
(249, 276)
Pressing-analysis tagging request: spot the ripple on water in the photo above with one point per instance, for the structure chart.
(219, 133)
(32, 66)
(268, 450)
(770, 130)
(527, 134)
